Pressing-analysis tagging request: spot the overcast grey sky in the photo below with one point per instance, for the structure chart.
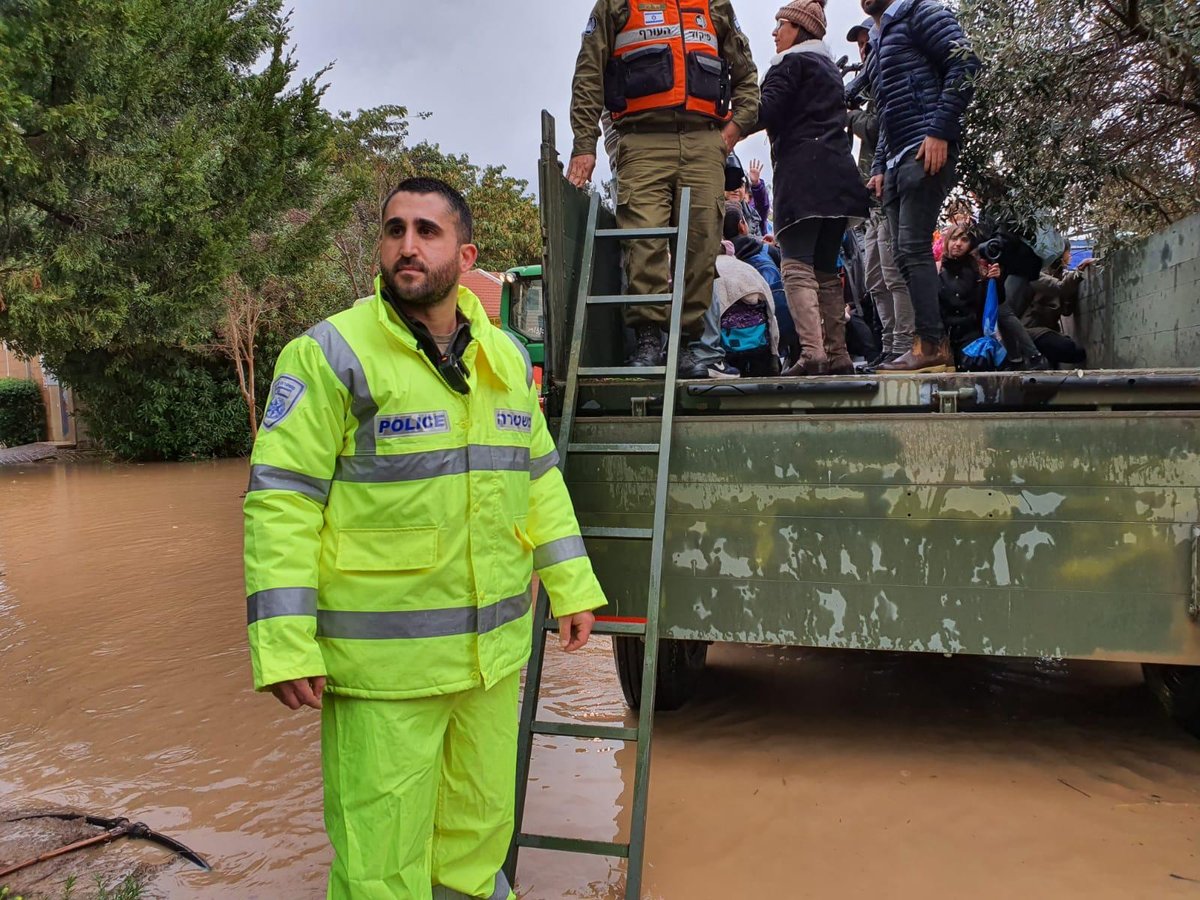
(486, 68)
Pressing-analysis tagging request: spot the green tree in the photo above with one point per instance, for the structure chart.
(1088, 109)
(373, 151)
(150, 150)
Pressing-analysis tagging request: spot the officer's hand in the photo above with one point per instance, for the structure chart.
(875, 185)
(574, 631)
(580, 171)
(934, 151)
(300, 692)
(731, 134)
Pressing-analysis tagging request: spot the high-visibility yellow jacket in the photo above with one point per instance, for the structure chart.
(392, 524)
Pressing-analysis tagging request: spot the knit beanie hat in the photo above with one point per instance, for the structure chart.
(807, 14)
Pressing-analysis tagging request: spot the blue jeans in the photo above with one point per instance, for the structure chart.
(709, 349)
(912, 201)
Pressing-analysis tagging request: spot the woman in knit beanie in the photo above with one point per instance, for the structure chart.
(817, 184)
(807, 15)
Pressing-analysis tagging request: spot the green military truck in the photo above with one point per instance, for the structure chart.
(1039, 514)
(1015, 514)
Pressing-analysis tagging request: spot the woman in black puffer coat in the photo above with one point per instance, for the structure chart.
(962, 289)
(817, 184)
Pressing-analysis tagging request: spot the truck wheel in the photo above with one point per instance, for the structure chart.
(1178, 690)
(680, 664)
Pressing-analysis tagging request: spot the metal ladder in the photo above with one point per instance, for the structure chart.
(634, 850)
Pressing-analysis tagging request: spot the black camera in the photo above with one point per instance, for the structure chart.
(992, 250)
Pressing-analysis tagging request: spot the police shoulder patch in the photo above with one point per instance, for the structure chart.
(591, 26)
(285, 394)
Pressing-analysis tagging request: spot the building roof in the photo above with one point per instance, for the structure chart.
(486, 286)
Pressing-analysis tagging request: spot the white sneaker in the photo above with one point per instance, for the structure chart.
(722, 369)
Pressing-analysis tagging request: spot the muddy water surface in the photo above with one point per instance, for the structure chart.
(124, 688)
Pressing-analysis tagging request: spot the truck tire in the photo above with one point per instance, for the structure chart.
(1178, 690)
(680, 664)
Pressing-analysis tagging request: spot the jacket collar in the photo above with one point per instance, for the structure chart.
(483, 333)
(897, 10)
(820, 48)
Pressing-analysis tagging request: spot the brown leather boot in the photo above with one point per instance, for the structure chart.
(807, 366)
(925, 356)
(800, 285)
(833, 323)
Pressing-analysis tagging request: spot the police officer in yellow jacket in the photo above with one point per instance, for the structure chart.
(403, 488)
(680, 84)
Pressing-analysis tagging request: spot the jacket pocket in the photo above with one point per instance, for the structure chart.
(641, 73)
(387, 549)
(708, 78)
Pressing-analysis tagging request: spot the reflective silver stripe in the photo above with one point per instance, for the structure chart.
(272, 478)
(349, 371)
(431, 464)
(499, 892)
(543, 464)
(420, 623)
(502, 889)
(275, 602)
(481, 457)
(700, 37)
(525, 353)
(558, 551)
(406, 467)
(651, 33)
(507, 610)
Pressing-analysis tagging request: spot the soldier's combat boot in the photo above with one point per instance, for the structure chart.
(648, 350)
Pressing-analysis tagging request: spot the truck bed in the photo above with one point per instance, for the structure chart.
(1046, 530)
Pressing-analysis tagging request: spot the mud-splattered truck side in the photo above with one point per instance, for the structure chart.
(1039, 514)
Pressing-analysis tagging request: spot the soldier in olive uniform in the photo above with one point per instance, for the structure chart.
(682, 88)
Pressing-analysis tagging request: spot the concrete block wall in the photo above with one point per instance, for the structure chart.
(1142, 308)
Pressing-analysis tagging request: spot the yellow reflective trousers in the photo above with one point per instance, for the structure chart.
(419, 794)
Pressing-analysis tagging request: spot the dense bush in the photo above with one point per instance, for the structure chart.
(168, 406)
(22, 413)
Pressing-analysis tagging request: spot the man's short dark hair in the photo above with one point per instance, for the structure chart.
(734, 217)
(458, 205)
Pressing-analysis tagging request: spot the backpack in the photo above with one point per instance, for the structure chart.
(746, 336)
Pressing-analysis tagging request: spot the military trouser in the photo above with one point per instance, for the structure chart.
(653, 167)
(419, 794)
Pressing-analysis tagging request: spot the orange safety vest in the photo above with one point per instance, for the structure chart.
(666, 57)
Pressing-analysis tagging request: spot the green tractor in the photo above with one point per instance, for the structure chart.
(522, 313)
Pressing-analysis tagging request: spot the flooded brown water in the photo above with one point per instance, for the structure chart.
(125, 690)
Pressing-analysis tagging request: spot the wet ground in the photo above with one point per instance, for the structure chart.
(124, 689)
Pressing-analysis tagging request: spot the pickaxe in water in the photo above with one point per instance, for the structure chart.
(114, 828)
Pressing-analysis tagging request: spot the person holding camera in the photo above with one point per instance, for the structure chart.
(921, 70)
(1020, 266)
(681, 86)
(817, 185)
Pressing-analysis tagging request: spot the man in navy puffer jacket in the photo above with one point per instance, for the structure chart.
(921, 70)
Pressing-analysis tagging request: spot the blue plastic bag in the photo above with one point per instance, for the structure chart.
(987, 353)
